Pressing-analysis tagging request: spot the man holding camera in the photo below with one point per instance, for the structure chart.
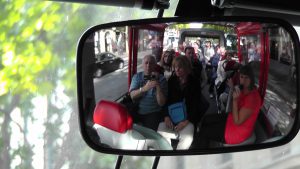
(149, 89)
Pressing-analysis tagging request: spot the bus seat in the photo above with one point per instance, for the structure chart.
(272, 139)
(113, 116)
(248, 141)
(266, 131)
(114, 127)
(260, 131)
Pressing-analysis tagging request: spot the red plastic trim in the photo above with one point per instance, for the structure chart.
(113, 116)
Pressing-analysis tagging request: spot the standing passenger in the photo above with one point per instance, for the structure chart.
(214, 61)
(197, 68)
(208, 51)
(156, 46)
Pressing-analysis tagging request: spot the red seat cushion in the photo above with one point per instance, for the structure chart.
(113, 116)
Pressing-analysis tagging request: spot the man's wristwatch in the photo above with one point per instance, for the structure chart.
(141, 90)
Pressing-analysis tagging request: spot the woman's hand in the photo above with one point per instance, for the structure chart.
(236, 93)
(181, 125)
(169, 123)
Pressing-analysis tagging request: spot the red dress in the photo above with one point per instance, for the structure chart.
(235, 134)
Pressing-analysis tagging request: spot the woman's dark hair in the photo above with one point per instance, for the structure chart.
(247, 70)
(228, 53)
(189, 48)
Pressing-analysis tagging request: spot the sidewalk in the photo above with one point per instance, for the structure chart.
(141, 54)
(280, 82)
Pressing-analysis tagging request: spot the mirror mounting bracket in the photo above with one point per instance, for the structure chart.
(202, 8)
(143, 4)
(120, 158)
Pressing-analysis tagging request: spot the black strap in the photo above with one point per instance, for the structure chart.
(155, 163)
(119, 161)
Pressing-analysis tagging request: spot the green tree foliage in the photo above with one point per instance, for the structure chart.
(37, 60)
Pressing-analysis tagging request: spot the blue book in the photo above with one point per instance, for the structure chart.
(177, 112)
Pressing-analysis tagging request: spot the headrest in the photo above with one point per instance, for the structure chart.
(113, 116)
(231, 65)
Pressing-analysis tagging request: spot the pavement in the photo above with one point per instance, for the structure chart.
(280, 80)
(281, 96)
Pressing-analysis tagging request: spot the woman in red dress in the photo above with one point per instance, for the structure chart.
(238, 125)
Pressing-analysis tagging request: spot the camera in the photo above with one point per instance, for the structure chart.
(150, 77)
(241, 87)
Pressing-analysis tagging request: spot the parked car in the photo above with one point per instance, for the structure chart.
(107, 62)
(285, 58)
(293, 73)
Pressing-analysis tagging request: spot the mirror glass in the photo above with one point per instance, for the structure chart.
(188, 85)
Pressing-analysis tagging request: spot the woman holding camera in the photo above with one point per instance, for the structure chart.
(238, 125)
(149, 89)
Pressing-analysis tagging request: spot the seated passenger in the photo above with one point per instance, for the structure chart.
(232, 79)
(225, 62)
(165, 63)
(149, 89)
(238, 125)
(227, 68)
(184, 89)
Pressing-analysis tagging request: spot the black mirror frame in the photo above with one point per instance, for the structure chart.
(82, 117)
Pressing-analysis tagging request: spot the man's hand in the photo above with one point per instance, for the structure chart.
(150, 84)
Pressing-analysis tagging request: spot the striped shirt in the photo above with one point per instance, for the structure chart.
(148, 103)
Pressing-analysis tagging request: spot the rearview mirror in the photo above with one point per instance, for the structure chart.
(177, 86)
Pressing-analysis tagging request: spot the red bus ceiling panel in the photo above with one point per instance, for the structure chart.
(246, 28)
(157, 27)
